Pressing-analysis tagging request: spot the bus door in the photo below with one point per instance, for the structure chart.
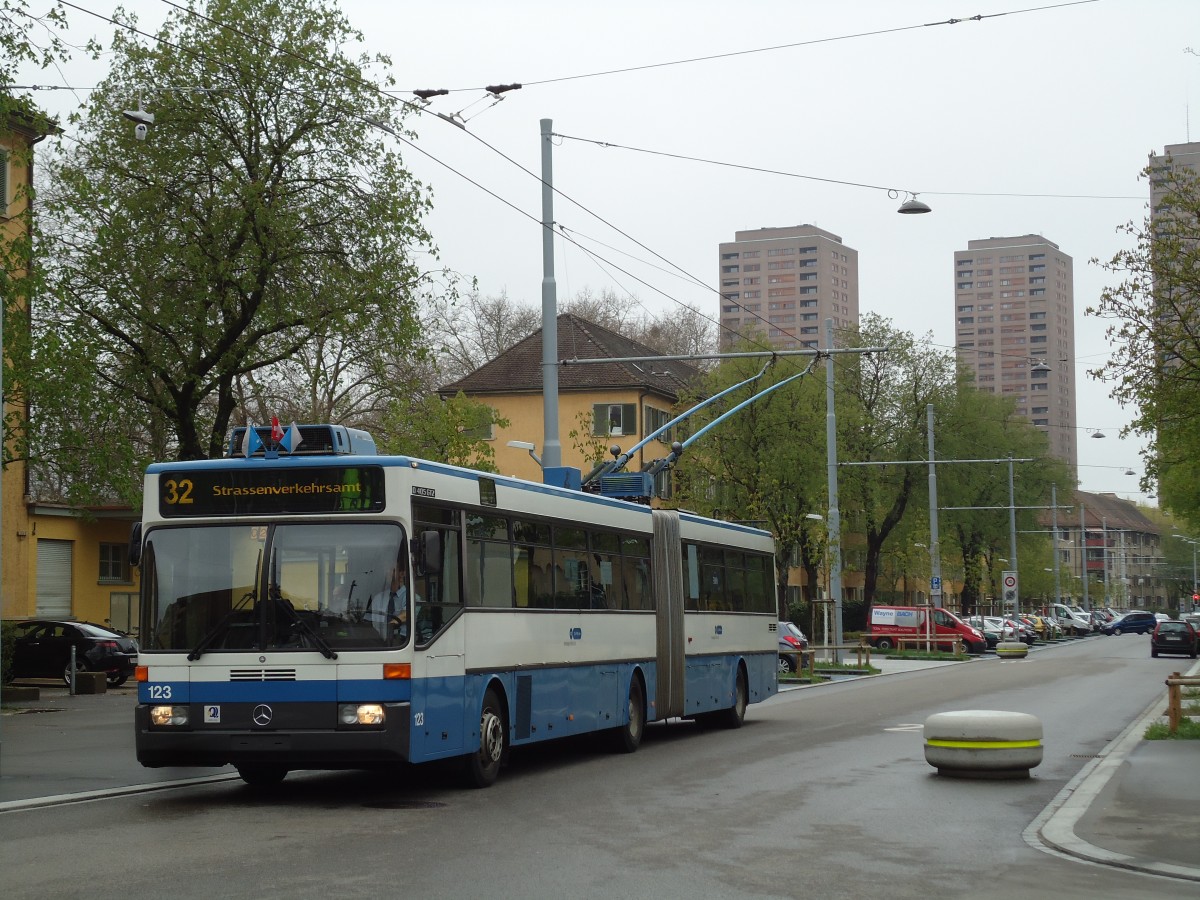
(439, 689)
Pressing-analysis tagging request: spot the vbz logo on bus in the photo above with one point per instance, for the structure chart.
(719, 630)
(576, 634)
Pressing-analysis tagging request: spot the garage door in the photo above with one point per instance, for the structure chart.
(54, 579)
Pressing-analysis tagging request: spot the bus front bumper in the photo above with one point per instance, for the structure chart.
(294, 745)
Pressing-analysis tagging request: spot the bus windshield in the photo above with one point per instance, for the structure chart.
(261, 586)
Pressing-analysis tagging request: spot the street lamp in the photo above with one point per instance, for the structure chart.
(913, 207)
(527, 445)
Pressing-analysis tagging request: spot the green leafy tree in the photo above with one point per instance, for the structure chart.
(882, 419)
(28, 40)
(976, 425)
(263, 213)
(1154, 314)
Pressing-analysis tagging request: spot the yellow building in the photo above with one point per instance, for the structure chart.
(55, 561)
(599, 405)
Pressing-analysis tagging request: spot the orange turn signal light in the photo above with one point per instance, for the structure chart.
(141, 673)
(397, 670)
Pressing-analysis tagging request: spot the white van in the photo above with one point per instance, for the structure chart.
(1073, 621)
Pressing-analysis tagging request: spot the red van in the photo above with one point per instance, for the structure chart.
(890, 622)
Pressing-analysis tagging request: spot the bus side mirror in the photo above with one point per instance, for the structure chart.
(427, 550)
(135, 545)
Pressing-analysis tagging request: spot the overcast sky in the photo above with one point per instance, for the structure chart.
(1065, 100)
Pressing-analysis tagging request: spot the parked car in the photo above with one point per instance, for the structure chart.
(1134, 621)
(43, 650)
(992, 636)
(791, 640)
(1173, 636)
(1047, 628)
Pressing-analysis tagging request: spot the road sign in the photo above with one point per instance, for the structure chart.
(1008, 581)
(935, 584)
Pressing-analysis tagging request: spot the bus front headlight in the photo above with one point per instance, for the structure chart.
(361, 714)
(168, 715)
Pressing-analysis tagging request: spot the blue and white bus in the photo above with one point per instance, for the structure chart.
(278, 589)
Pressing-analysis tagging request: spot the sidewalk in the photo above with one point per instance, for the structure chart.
(1137, 806)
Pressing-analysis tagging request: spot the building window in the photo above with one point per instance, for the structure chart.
(964, 262)
(964, 286)
(782, 251)
(614, 419)
(114, 564)
(729, 256)
(728, 270)
(656, 419)
(1037, 268)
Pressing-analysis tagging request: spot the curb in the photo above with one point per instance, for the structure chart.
(1053, 831)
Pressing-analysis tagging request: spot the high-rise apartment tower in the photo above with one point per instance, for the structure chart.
(784, 283)
(1014, 304)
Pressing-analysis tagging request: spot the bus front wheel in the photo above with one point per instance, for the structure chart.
(483, 766)
(262, 775)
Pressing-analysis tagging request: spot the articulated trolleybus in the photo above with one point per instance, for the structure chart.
(309, 604)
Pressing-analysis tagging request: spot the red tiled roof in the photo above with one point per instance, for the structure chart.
(519, 369)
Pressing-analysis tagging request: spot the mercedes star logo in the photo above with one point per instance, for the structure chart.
(262, 714)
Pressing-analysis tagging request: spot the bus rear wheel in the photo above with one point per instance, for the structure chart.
(483, 766)
(734, 716)
(628, 737)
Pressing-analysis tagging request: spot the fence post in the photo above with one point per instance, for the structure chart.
(1174, 702)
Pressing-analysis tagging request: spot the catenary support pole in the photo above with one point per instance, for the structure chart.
(833, 521)
(551, 446)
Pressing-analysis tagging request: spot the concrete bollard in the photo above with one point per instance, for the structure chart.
(91, 683)
(983, 743)
(1012, 650)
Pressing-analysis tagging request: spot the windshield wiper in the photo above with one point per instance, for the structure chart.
(279, 604)
(212, 634)
(300, 622)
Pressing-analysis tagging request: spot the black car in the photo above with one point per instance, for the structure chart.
(43, 650)
(1131, 622)
(1173, 636)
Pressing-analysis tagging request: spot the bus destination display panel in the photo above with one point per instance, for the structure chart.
(242, 492)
